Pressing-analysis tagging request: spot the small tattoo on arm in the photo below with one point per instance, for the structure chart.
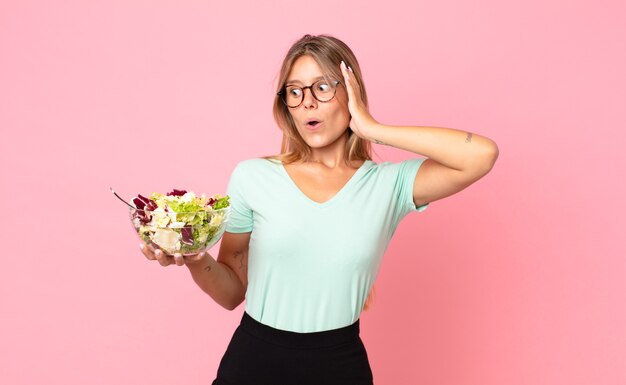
(237, 255)
(208, 268)
(379, 142)
(469, 137)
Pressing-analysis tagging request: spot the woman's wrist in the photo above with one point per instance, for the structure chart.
(202, 261)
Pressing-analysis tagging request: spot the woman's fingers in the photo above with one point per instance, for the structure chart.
(156, 254)
(161, 257)
(147, 251)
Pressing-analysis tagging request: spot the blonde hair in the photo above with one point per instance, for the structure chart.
(328, 52)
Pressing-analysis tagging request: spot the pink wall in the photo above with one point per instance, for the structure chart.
(519, 279)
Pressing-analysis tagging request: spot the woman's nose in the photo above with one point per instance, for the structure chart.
(308, 99)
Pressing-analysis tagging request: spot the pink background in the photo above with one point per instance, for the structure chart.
(519, 279)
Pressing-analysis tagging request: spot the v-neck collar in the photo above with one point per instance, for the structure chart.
(335, 197)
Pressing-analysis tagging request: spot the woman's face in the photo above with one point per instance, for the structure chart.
(333, 115)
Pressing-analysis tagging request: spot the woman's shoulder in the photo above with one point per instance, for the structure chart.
(259, 160)
(254, 164)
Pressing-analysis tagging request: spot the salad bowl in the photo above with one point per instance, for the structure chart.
(180, 222)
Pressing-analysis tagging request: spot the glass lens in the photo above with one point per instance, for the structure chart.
(322, 90)
(293, 95)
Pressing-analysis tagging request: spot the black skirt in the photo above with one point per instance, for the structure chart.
(259, 354)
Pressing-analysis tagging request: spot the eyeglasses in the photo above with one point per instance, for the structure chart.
(322, 90)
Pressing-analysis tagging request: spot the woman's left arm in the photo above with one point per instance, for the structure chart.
(456, 159)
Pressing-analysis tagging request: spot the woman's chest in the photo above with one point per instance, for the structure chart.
(319, 186)
(345, 235)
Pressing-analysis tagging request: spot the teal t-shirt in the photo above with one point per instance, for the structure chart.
(311, 265)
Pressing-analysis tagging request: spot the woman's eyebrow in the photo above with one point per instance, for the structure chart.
(298, 81)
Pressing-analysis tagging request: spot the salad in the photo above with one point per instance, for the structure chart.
(180, 221)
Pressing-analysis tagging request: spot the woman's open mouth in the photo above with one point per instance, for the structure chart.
(313, 125)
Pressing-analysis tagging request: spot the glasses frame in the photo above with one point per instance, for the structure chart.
(281, 94)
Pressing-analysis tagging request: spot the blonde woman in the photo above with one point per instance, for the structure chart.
(309, 226)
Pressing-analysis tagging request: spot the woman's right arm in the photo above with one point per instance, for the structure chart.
(225, 279)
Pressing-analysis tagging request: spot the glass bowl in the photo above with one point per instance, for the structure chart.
(187, 233)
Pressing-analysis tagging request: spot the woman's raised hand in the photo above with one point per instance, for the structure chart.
(166, 259)
(361, 121)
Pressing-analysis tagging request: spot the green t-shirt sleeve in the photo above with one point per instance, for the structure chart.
(407, 171)
(241, 217)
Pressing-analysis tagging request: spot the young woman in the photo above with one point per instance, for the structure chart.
(309, 227)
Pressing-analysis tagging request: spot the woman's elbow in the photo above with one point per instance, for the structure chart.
(490, 156)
